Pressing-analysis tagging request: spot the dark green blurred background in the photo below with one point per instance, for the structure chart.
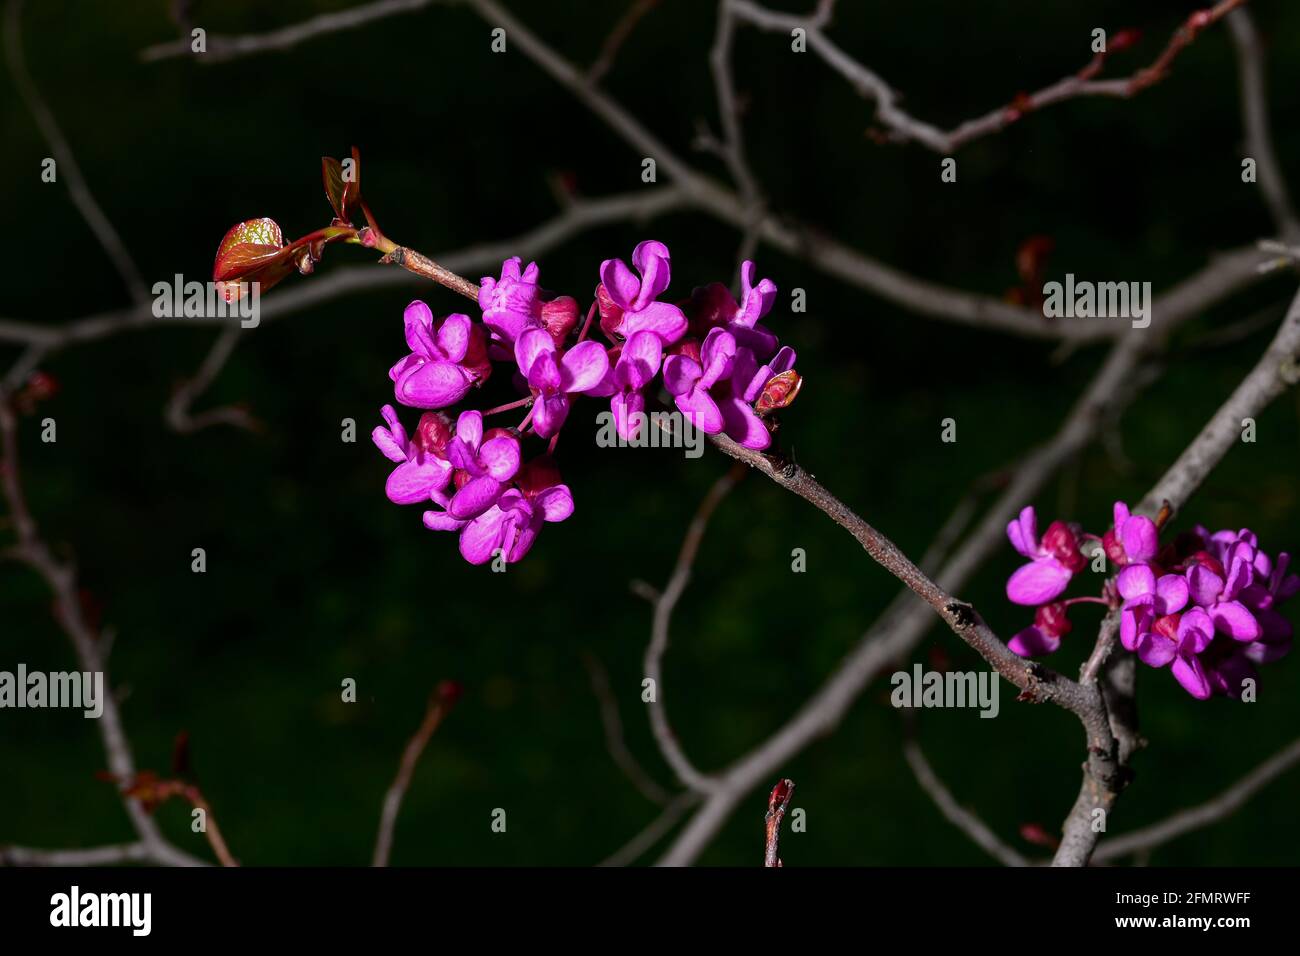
(314, 577)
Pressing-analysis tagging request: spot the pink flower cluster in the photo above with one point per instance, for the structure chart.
(720, 366)
(1205, 604)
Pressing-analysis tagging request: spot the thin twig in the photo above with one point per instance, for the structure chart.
(653, 832)
(960, 817)
(663, 612)
(65, 161)
(903, 127)
(440, 703)
(777, 804)
(1203, 815)
(617, 37)
(614, 741)
(61, 578)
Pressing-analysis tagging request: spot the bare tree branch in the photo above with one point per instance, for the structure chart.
(61, 579)
(614, 742)
(221, 48)
(1203, 815)
(66, 163)
(1254, 114)
(663, 612)
(653, 832)
(90, 856)
(903, 127)
(963, 819)
(441, 701)
(617, 37)
(178, 413)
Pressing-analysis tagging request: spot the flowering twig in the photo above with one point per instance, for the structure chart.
(581, 215)
(777, 804)
(823, 253)
(902, 625)
(441, 701)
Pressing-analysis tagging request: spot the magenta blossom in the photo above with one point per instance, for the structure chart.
(1053, 561)
(689, 381)
(487, 464)
(1044, 635)
(713, 306)
(553, 381)
(637, 364)
(729, 376)
(1179, 639)
(513, 303)
(440, 369)
(1218, 593)
(737, 395)
(1271, 587)
(1204, 605)
(422, 467)
(635, 297)
(511, 525)
(1132, 538)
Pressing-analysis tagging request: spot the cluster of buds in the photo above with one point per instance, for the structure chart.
(1204, 604)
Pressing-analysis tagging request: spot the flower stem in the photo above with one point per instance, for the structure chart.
(586, 326)
(526, 400)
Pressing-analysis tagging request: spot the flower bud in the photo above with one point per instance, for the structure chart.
(1123, 40)
(448, 692)
(1167, 626)
(1208, 561)
(1051, 619)
(433, 433)
(1063, 544)
(611, 315)
(537, 475)
(560, 316)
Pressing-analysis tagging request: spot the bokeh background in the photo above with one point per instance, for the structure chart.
(314, 577)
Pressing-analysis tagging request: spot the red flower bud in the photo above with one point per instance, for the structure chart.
(448, 692)
(1167, 626)
(560, 316)
(476, 360)
(433, 433)
(1123, 40)
(538, 474)
(689, 348)
(709, 306)
(611, 316)
(1208, 561)
(1063, 544)
(1051, 619)
(1114, 548)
